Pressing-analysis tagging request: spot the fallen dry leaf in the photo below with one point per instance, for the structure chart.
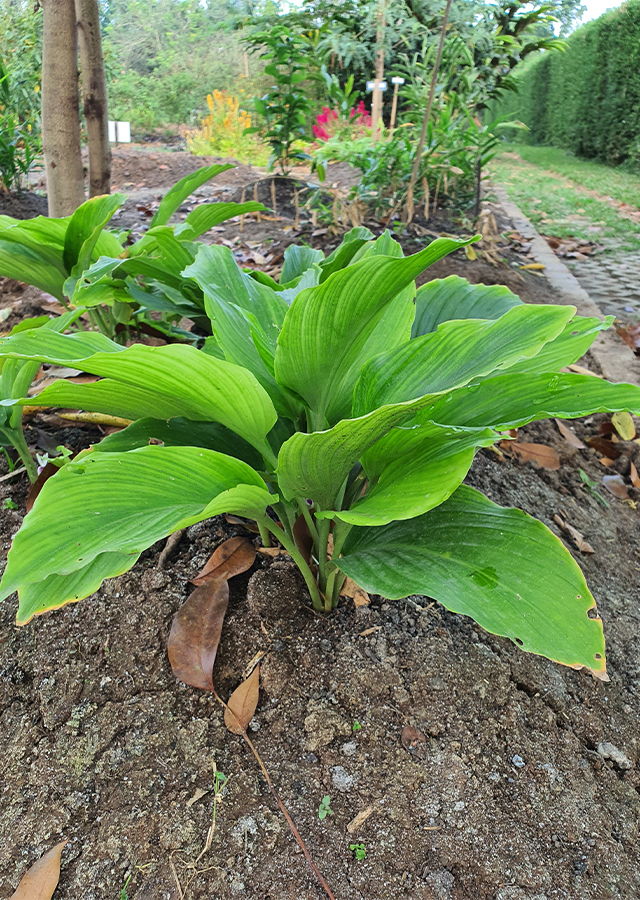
(232, 557)
(607, 448)
(534, 266)
(198, 795)
(303, 539)
(49, 470)
(574, 534)
(41, 880)
(623, 424)
(195, 633)
(580, 370)
(635, 478)
(412, 739)
(272, 551)
(242, 703)
(357, 594)
(568, 435)
(540, 453)
(616, 486)
(237, 520)
(605, 461)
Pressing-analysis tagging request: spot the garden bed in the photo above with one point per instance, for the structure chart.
(521, 782)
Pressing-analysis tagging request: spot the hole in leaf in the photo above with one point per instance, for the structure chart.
(598, 655)
(519, 642)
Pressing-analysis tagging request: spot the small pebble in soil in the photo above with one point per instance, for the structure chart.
(518, 761)
(349, 749)
(341, 780)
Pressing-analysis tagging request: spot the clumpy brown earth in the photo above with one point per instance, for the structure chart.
(522, 785)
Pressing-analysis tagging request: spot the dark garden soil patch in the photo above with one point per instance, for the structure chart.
(514, 794)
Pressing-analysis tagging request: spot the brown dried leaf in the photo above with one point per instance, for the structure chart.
(272, 551)
(635, 478)
(568, 435)
(237, 520)
(41, 880)
(198, 795)
(607, 448)
(581, 370)
(233, 557)
(356, 823)
(242, 703)
(358, 594)
(605, 461)
(195, 633)
(623, 424)
(412, 739)
(574, 534)
(616, 486)
(49, 470)
(543, 455)
(369, 631)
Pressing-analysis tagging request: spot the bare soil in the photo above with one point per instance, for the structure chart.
(514, 794)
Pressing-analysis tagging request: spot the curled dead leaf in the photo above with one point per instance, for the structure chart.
(357, 594)
(303, 539)
(616, 486)
(41, 880)
(574, 534)
(413, 739)
(568, 435)
(242, 703)
(198, 795)
(635, 478)
(49, 470)
(231, 558)
(195, 633)
(607, 448)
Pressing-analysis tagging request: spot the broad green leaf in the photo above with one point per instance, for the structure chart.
(311, 278)
(297, 259)
(174, 198)
(180, 432)
(173, 253)
(511, 400)
(208, 215)
(26, 264)
(454, 298)
(58, 590)
(330, 331)
(499, 566)
(85, 227)
(180, 381)
(413, 469)
(58, 349)
(457, 352)
(570, 345)
(344, 253)
(122, 503)
(384, 245)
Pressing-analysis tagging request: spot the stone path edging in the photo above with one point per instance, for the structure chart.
(615, 358)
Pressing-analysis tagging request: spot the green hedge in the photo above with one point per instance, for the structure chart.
(586, 99)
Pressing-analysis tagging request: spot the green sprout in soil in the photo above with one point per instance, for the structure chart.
(591, 487)
(123, 892)
(324, 809)
(359, 851)
(8, 503)
(356, 725)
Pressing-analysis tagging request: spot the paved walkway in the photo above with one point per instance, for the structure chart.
(612, 281)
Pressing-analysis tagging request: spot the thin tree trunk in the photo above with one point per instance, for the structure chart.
(376, 104)
(61, 108)
(94, 96)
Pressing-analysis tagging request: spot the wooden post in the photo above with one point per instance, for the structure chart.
(408, 209)
(394, 107)
(376, 105)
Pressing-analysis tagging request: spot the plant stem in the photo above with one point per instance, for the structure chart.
(324, 527)
(290, 546)
(16, 436)
(311, 525)
(265, 537)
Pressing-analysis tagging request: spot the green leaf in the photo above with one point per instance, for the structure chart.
(174, 198)
(414, 469)
(344, 252)
(331, 330)
(454, 298)
(58, 590)
(180, 432)
(297, 259)
(570, 345)
(499, 566)
(208, 215)
(26, 264)
(85, 227)
(122, 503)
(457, 352)
(511, 400)
(179, 379)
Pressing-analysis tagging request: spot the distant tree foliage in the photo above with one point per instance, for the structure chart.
(587, 99)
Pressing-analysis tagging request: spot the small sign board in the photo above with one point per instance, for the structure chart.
(120, 132)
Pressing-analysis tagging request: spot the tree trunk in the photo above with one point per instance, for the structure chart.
(376, 104)
(61, 108)
(94, 95)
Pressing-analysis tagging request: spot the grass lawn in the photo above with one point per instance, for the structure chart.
(570, 197)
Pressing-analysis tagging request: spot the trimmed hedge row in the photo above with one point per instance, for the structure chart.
(586, 99)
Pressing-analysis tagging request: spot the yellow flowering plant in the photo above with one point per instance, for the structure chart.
(222, 131)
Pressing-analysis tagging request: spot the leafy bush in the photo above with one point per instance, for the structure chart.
(81, 263)
(222, 132)
(587, 99)
(342, 401)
